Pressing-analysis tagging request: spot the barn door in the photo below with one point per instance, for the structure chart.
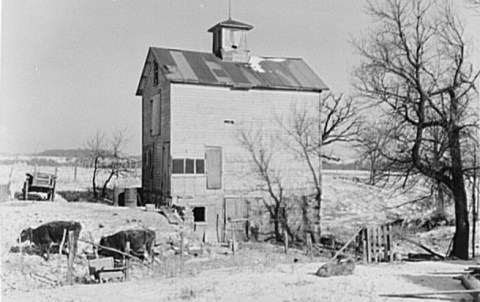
(166, 173)
(213, 157)
(236, 211)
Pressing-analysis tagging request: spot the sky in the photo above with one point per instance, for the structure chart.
(70, 68)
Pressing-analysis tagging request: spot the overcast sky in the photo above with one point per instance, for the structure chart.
(70, 68)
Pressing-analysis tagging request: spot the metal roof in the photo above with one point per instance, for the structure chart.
(182, 66)
(230, 23)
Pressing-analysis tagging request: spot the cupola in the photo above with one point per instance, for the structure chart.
(230, 40)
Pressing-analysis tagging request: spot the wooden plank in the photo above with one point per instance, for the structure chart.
(379, 244)
(127, 262)
(385, 243)
(364, 246)
(71, 257)
(345, 245)
(423, 247)
(444, 292)
(389, 243)
(374, 244)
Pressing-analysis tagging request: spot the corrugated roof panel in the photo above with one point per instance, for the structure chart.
(250, 76)
(218, 72)
(269, 76)
(235, 73)
(276, 66)
(207, 69)
(183, 66)
(305, 75)
(199, 66)
(163, 56)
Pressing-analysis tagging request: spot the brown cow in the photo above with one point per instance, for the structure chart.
(51, 233)
(141, 243)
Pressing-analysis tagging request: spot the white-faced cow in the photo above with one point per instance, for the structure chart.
(51, 233)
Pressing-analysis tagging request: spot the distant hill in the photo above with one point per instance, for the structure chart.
(76, 153)
(72, 153)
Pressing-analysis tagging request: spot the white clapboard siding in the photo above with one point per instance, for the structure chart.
(198, 116)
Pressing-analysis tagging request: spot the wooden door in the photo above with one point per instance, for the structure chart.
(236, 211)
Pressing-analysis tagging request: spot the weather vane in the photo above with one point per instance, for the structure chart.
(229, 9)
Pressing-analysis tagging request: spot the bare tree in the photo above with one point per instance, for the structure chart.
(106, 155)
(96, 150)
(309, 131)
(261, 148)
(415, 66)
(371, 141)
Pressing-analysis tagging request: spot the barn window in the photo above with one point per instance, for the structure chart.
(189, 166)
(199, 214)
(200, 166)
(177, 166)
(155, 73)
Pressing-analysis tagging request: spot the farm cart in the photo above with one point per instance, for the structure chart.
(40, 183)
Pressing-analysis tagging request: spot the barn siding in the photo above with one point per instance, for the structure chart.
(152, 175)
(198, 115)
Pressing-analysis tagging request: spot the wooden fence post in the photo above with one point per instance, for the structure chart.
(127, 262)
(285, 240)
(181, 251)
(71, 257)
(389, 242)
(234, 244)
(60, 252)
(75, 173)
(309, 244)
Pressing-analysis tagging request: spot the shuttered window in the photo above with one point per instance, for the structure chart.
(156, 108)
(214, 168)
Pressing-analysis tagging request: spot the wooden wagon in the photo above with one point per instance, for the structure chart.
(40, 183)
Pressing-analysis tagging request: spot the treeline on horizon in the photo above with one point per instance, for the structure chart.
(78, 157)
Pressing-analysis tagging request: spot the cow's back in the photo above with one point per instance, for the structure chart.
(56, 229)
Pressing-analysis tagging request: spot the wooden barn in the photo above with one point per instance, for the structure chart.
(193, 106)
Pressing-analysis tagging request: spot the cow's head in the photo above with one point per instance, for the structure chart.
(25, 235)
(101, 244)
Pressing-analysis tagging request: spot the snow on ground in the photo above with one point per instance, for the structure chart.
(261, 274)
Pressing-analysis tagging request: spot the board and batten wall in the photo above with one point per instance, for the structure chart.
(155, 137)
(207, 116)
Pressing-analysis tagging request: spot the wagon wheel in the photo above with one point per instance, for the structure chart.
(25, 190)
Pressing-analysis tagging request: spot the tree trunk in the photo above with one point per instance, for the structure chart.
(460, 239)
(104, 189)
(276, 224)
(94, 182)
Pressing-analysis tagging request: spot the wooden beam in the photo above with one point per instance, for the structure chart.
(426, 248)
(473, 284)
(345, 245)
(444, 292)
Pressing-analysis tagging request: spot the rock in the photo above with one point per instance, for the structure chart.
(339, 268)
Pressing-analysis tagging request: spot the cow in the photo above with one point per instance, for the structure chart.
(51, 233)
(141, 244)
